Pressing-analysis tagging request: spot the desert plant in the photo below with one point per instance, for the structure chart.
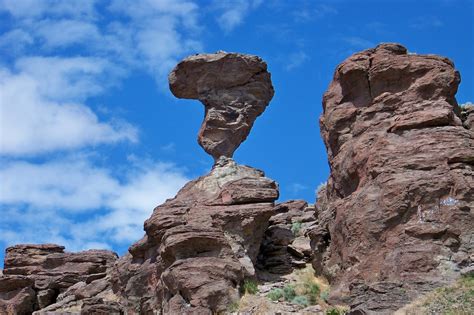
(289, 292)
(335, 311)
(233, 307)
(300, 300)
(324, 295)
(275, 294)
(312, 292)
(296, 228)
(250, 286)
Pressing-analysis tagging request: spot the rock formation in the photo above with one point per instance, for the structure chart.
(396, 218)
(234, 88)
(34, 276)
(286, 245)
(199, 247)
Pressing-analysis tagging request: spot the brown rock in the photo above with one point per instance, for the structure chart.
(282, 243)
(200, 245)
(35, 275)
(397, 211)
(234, 88)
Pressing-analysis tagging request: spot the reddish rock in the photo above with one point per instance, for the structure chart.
(199, 246)
(35, 276)
(234, 88)
(286, 244)
(396, 219)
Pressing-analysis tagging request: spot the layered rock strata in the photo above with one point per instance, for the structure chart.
(234, 88)
(396, 218)
(200, 246)
(286, 244)
(35, 276)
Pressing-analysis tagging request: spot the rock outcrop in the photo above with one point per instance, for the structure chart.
(396, 218)
(234, 88)
(199, 247)
(34, 276)
(286, 244)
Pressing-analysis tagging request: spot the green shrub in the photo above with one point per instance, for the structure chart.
(335, 311)
(324, 295)
(289, 292)
(311, 290)
(296, 228)
(250, 286)
(300, 300)
(233, 307)
(275, 294)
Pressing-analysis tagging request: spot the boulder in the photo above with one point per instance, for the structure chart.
(234, 88)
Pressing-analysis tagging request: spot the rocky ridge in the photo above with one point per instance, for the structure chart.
(396, 217)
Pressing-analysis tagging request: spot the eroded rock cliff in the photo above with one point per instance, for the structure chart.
(395, 219)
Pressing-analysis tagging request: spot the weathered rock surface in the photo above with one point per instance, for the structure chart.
(200, 246)
(234, 88)
(286, 244)
(396, 218)
(34, 276)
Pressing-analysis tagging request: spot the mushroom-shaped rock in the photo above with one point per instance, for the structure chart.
(234, 88)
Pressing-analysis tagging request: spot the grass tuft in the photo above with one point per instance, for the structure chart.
(250, 286)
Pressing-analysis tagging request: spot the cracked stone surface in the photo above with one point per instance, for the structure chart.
(396, 218)
(234, 88)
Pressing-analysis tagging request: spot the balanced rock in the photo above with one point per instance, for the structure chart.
(396, 218)
(234, 88)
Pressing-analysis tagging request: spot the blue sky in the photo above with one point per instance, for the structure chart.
(91, 139)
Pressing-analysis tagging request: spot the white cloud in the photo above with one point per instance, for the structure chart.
(34, 119)
(37, 8)
(149, 35)
(76, 203)
(65, 32)
(296, 59)
(233, 12)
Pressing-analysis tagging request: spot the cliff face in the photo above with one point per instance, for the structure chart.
(395, 219)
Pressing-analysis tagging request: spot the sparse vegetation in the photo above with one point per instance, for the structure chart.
(250, 286)
(300, 300)
(336, 311)
(296, 228)
(289, 292)
(456, 299)
(275, 294)
(233, 307)
(324, 295)
(453, 300)
(304, 290)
